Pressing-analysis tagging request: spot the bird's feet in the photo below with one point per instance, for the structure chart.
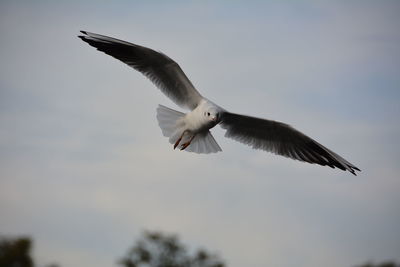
(177, 142)
(185, 145)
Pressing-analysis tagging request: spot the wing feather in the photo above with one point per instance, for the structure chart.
(159, 68)
(281, 139)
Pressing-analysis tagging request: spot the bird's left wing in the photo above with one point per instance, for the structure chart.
(159, 68)
(281, 139)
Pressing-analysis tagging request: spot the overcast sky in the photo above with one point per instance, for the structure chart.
(84, 167)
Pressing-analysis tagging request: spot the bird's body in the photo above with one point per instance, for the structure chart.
(194, 124)
(191, 131)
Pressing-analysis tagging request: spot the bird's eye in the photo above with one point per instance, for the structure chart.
(208, 113)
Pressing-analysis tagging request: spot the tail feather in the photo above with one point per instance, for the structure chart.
(169, 122)
(204, 144)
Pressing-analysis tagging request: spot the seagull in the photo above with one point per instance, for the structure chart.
(191, 131)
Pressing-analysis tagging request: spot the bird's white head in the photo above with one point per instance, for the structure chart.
(211, 114)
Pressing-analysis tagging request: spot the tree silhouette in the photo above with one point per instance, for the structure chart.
(16, 252)
(155, 249)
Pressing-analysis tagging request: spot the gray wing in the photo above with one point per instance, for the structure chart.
(281, 139)
(159, 68)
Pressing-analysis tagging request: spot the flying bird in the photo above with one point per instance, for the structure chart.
(191, 131)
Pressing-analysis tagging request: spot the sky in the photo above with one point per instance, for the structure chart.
(84, 168)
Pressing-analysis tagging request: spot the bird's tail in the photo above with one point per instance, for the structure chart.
(172, 126)
(170, 122)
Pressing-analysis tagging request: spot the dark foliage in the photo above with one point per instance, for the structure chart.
(15, 252)
(156, 249)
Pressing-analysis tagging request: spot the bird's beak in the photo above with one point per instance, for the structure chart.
(214, 118)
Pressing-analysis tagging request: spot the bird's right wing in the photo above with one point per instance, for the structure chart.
(281, 139)
(159, 68)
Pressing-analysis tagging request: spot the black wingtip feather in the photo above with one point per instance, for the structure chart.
(84, 32)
